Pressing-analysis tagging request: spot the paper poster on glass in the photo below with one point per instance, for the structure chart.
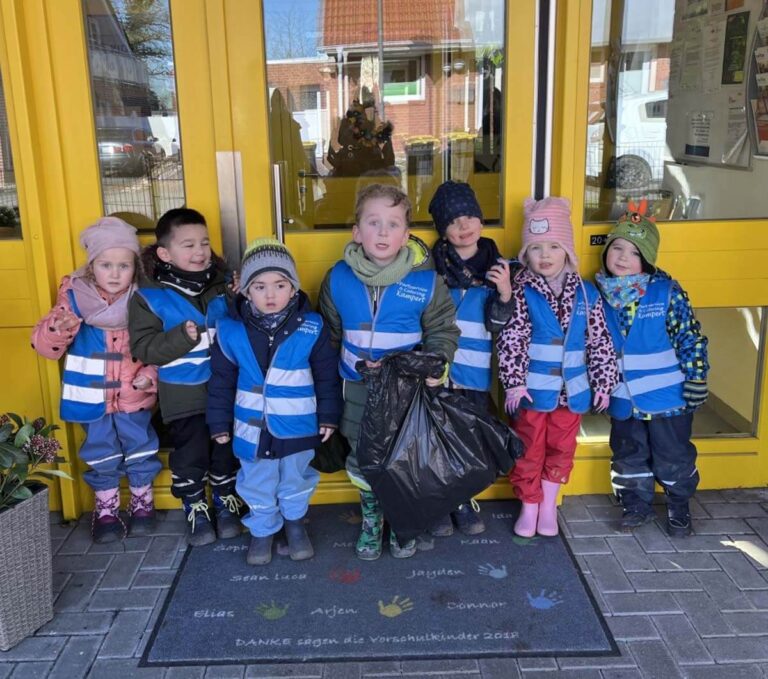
(699, 133)
(735, 51)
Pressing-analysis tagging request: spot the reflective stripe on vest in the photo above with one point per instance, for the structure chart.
(651, 379)
(84, 386)
(394, 324)
(556, 357)
(173, 309)
(471, 367)
(283, 401)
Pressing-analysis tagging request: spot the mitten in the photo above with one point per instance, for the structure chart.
(695, 392)
(513, 398)
(601, 402)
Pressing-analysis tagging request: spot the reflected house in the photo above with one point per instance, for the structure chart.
(430, 72)
(120, 80)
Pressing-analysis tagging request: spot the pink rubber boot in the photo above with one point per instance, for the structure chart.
(525, 526)
(547, 523)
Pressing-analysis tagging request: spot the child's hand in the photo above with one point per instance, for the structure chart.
(695, 392)
(601, 402)
(373, 364)
(64, 321)
(437, 381)
(498, 274)
(190, 327)
(326, 433)
(221, 438)
(235, 284)
(142, 382)
(513, 398)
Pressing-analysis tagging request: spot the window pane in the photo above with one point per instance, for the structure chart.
(134, 99)
(736, 340)
(678, 109)
(413, 99)
(10, 223)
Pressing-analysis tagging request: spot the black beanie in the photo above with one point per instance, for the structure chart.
(452, 200)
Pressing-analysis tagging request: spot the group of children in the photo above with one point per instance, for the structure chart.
(250, 379)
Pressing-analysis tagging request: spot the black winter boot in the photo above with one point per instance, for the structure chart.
(199, 528)
(227, 509)
(259, 551)
(299, 546)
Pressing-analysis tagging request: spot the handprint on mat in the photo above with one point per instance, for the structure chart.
(351, 517)
(396, 607)
(545, 600)
(346, 577)
(495, 572)
(525, 542)
(271, 611)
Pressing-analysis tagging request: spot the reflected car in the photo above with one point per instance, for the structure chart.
(126, 151)
(641, 143)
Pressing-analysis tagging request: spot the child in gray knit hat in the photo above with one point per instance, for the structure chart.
(275, 391)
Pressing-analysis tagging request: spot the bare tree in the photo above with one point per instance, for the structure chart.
(290, 34)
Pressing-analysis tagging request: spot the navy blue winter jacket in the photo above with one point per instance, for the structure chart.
(324, 361)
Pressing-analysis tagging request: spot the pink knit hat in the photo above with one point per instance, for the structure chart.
(548, 220)
(108, 232)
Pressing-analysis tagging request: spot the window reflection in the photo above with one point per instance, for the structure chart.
(134, 100)
(10, 223)
(387, 90)
(676, 93)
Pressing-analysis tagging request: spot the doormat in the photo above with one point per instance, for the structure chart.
(491, 595)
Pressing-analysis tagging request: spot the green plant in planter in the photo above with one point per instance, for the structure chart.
(24, 447)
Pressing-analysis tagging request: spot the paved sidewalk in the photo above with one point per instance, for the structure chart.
(695, 608)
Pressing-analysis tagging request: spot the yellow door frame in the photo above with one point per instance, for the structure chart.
(719, 263)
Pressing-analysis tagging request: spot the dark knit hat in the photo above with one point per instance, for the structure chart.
(640, 230)
(267, 254)
(452, 200)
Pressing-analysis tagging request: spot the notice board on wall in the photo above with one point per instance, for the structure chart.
(711, 63)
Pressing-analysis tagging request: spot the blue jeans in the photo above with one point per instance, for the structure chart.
(275, 490)
(120, 444)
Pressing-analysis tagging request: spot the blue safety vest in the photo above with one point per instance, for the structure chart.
(651, 379)
(557, 357)
(84, 385)
(388, 323)
(173, 309)
(284, 400)
(471, 367)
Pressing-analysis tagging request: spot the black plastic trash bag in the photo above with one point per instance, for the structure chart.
(425, 451)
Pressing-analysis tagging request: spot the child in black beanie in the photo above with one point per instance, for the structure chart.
(480, 283)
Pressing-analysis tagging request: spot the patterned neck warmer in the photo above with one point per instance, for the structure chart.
(189, 282)
(460, 273)
(621, 291)
(269, 323)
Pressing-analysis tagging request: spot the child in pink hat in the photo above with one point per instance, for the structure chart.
(105, 389)
(556, 361)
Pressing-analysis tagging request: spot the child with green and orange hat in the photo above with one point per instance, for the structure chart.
(663, 363)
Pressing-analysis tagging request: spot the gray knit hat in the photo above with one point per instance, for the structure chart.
(267, 254)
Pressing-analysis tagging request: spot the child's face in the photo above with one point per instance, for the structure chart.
(270, 292)
(463, 233)
(546, 258)
(382, 230)
(114, 270)
(623, 258)
(189, 248)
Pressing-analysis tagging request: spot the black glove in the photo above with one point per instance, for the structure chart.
(695, 392)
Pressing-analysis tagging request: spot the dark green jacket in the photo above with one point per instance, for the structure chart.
(154, 346)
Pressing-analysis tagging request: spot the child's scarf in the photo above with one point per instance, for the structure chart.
(97, 311)
(189, 282)
(460, 273)
(621, 291)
